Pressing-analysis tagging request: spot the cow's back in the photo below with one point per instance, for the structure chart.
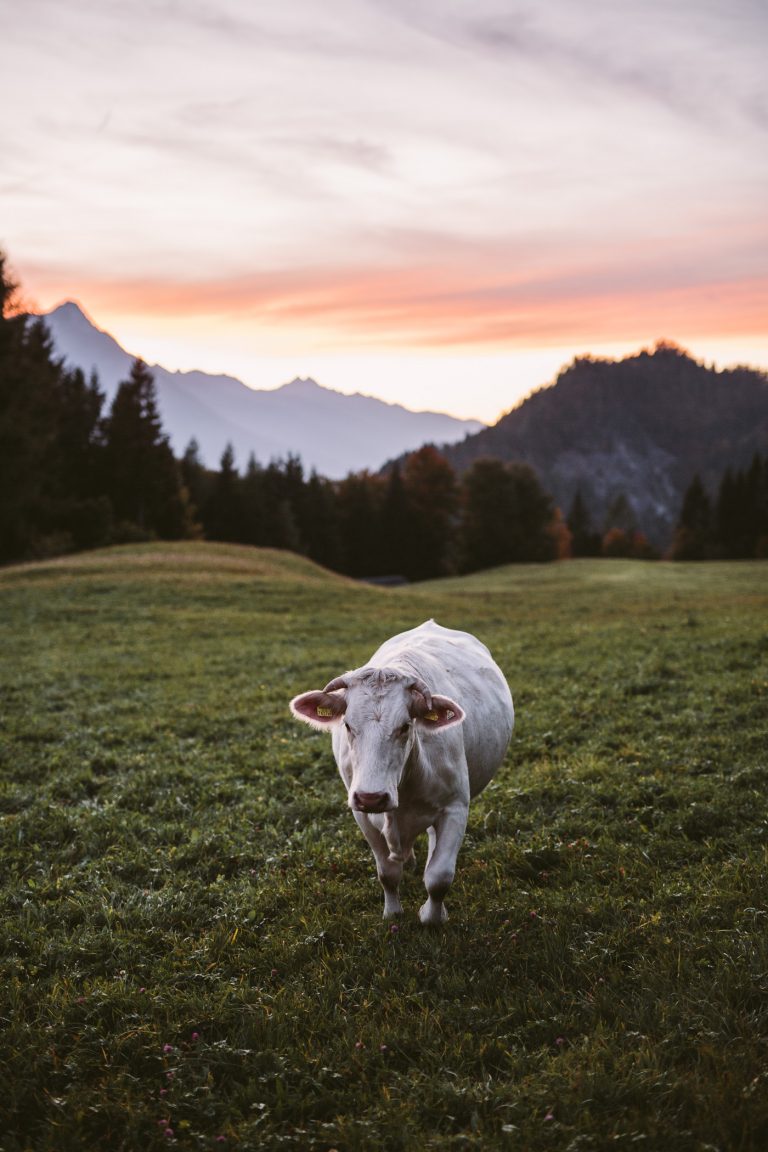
(458, 665)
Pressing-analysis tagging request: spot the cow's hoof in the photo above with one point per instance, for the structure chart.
(432, 915)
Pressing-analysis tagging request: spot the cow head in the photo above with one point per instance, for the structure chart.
(378, 714)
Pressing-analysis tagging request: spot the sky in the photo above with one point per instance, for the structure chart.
(437, 202)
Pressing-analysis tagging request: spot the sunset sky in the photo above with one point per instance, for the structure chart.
(439, 202)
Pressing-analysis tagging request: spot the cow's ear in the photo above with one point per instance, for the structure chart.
(443, 713)
(320, 709)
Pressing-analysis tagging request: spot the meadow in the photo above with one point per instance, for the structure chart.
(192, 952)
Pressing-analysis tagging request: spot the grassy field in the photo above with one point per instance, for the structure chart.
(191, 945)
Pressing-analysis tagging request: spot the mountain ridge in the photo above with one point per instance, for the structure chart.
(640, 427)
(345, 433)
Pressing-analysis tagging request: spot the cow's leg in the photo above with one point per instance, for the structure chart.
(388, 868)
(444, 843)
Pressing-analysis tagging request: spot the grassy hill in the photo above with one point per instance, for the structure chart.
(191, 949)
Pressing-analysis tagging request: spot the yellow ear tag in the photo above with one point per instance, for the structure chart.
(431, 716)
(324, 711)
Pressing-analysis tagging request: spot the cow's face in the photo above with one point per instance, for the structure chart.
(379, 715)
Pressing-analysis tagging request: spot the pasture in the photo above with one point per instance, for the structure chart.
(192, 952)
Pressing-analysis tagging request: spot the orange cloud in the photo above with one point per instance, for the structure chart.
(429, 306)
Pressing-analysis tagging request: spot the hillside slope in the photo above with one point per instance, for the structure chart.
(641, 427)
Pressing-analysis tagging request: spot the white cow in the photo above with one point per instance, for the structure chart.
(417, 732)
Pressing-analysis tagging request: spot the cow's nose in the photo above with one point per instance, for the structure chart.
(370, 801)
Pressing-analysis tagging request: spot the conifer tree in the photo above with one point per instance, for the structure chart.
(395, 525)
(584, 540)
(358, 498)
(430, 514)
(195, 478)
(506, 516)
(143, 478)
(223, 514)
(694, 534)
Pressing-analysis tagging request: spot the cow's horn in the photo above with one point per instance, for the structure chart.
(336, 684)
(420, 686)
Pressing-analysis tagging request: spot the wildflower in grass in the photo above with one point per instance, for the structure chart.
(195, 1037)
(394, 928)
(549, 1116)
(359, 1044)
(169, 1133)
(560, 1041)
(167, 1048)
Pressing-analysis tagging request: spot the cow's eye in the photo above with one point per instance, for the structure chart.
(350, 733)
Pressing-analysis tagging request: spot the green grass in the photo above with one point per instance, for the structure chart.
(191, 948)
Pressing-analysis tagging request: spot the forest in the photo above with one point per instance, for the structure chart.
(74, 476)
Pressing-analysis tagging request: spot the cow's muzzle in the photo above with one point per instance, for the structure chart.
(372, 801)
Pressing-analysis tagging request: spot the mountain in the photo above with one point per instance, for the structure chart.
(641, 427)
(330, 431)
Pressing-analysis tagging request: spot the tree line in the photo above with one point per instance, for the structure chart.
(416, 521)
(732, 524)
(75, 476)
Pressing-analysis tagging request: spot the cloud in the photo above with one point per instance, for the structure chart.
(700, 63)
(438, 307)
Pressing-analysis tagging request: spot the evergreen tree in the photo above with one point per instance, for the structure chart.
(320, 522)
(252, 495)
(27, 383)
(358, 499)
(143, 478)
(584, 540)
(195, 478)
(395, 526)
(283, 483)
(49, 442)
(694, 533)
(224, 510)
(506, 516)
(430, 514)
(734, 517)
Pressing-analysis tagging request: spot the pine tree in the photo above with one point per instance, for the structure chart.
(358, 499)
(224, 510)
(320, 522)
(734, 517)
(430, 514)
(506, 516)
(143, 479)
(29, 406)
(195, 478)
(584, 540)
(252, 495)
(694, 533)
(395, 526)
